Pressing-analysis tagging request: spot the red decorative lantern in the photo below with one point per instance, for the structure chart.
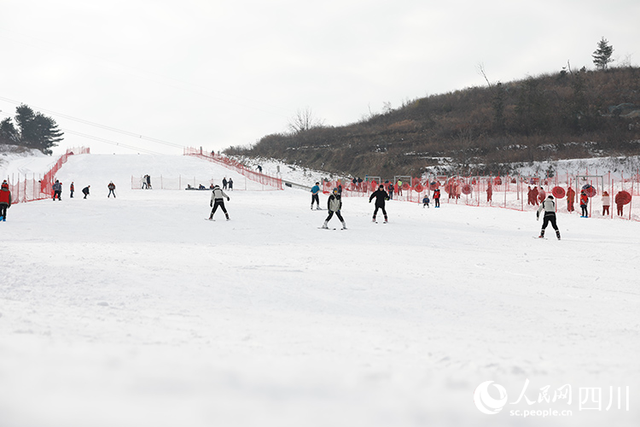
(558, 192)
(623, 198)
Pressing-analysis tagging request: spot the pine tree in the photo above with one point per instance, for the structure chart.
(9, 135)
(37, 130)
(602, 55)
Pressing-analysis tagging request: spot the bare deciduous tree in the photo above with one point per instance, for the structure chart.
(304, 120)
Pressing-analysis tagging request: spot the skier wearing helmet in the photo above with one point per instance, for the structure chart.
(549, 208)
(334, 204)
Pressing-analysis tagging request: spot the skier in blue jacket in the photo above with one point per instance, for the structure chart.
(314, 195)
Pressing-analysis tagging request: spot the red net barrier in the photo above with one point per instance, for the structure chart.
(28, 190)
(270, 181)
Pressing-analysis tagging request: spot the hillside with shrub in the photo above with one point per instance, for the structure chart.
(570, 114)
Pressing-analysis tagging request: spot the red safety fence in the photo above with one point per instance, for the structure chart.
(29, 189)
(512, 192)
(271, 182)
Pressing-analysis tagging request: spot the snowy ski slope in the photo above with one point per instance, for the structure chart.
(136, 312)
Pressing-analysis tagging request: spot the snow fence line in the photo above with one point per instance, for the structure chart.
(26, 189)
(266, 181)
(507, 192)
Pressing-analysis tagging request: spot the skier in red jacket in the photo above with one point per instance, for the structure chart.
(5, 200)
(584, 201)
(436, 197)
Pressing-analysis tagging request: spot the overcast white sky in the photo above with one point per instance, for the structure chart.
(218, 73)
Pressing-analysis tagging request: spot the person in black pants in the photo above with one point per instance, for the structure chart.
(5, 200)
(549, 208)
(217, 200)
(112, 190)
(334, 205)
(315, 198)
(436, 197)
(381, 196)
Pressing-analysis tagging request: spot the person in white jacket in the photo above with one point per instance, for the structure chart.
(334, 205)
(549, 208)
(606, 203)
(217, 200)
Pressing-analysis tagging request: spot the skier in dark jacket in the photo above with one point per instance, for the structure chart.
(549, 208)
(381, 196)
(57, 190)
(85, 191)
(334, 205)
(112, 190)
(217, 200)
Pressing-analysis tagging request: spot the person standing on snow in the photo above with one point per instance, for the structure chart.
(5, 200)
(381, 196)
(584, 201)
(606, 202)
(549, 208)
(112, 189)
(315, 190)
(425, 200)
(217, 200)
(571, 197)
(230, 184)
(619, 203)
(534, 195)
(85, 191)
(57, 190)
(71, 189)
(436, 198)
(334, 205)
(390, 188)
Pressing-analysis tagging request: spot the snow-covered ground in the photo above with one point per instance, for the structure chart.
(136, 312)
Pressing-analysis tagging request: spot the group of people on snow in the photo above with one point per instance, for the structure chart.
(57, 190)
(146, 182)
(381, 196)
(227, 184)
